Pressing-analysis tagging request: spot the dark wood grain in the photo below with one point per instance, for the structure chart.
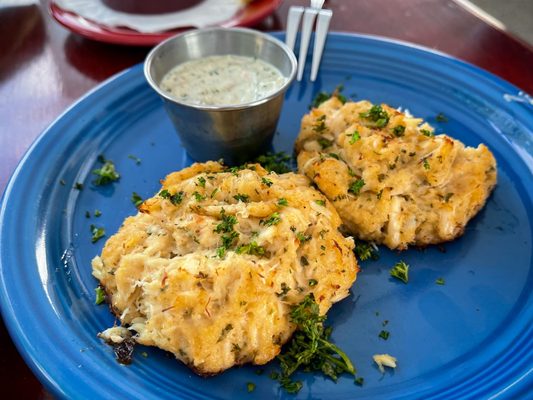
(44, 68)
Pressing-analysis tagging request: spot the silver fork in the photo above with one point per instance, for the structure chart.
(309, 15)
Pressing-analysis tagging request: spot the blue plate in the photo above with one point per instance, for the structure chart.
(469, 338)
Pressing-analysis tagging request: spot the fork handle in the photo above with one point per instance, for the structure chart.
(309, 19)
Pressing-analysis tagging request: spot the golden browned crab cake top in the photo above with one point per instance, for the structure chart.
(390, 178)
(210, 267)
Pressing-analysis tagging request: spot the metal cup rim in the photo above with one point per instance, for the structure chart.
(288, 52)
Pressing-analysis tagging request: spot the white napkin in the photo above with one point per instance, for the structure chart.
(206, 13)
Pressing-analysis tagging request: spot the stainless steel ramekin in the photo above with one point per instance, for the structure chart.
(237, 132)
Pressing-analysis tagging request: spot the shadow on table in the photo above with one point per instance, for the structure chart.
(99, 60)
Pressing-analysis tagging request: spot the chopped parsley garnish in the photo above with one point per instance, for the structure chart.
(283, 202)
(136, 199)
(97, 213)
(62, 182)
(320, 98)
(312, 282)
(398, 130)
(400, 271)
(274, 219)
(366, 250)
(324, 143)
(359, 381)
(201, 181)
(356, 186)
(224, 332)
(440, 281)
(284, 290)
(228, 221)
(303, 237)
(221, 252)
(134, 158)
(277, 162)
(266, 181)
(441, 117)
(250, 386)
(106, 173)
(384, 334)
(87, 214)
(251, 248)
(320, 125)
(320, 203)
(310, 348)
(235, 170)
(78, 186)
(355, 137)
(242, 197)
(97, 233)
(100, 295)
(447, 197)
(228, 234)
(334, 155)
(425, 163)
(377, 115)
(427, 133)
(198, 196)
(227, 241)
(175, 199)
(215, 190)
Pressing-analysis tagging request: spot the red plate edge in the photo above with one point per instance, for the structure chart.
(248, 16)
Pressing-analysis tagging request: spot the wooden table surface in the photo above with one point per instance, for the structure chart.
(44, 68)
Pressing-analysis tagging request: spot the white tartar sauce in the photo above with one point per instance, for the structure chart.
(222, 80)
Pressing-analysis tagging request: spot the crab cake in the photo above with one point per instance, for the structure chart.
(211, 266)
(392, 180)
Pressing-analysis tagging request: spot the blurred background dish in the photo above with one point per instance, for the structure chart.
(150, 7)
(249, 14)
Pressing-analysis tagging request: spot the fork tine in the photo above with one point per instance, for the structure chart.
(309, 19)
(293, 23)
(322, 25)
(317, 3)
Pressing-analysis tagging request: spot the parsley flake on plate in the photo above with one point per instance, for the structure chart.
(310, 348)
(400, 271)
(134, 158)
(99, 295)
(441, 117)
(384, 334)
(97, 233)
(366, 250)
(136, 199)
(106, 173)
